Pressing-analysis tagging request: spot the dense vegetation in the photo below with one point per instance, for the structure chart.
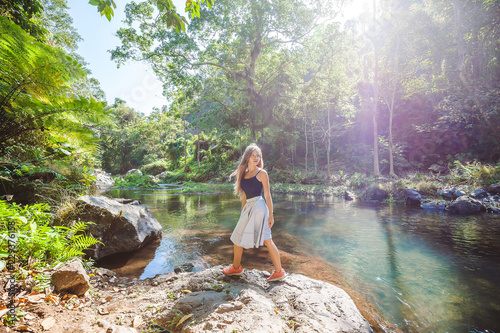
(418, 81)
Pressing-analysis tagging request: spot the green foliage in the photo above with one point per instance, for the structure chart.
(135, 180)
(39, 244)
(474, 173)
(23, 13)
(359, 180)
(46, 123)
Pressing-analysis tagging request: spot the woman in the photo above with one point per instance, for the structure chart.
(257, 216)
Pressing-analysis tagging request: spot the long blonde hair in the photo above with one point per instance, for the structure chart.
(242, 167)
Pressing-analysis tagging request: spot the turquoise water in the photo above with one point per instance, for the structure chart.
(424, 271)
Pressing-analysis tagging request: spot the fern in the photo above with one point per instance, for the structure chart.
(40, 244)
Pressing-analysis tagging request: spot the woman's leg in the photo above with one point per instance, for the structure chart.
(275, 254)
(238, 252)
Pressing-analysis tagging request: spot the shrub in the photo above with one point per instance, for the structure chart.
(39, 244)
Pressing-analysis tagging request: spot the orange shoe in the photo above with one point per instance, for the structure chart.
(277, 276)
(231, 271)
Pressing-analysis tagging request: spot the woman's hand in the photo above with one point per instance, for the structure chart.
(271, 221)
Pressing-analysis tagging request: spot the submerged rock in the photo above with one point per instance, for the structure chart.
(121, 227)
(433, 206)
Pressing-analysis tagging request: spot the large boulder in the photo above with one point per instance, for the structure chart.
(133, 171)
(413, 197)
(103, 180)
(465, 206)
(71, 278)
(376, 195)
(251, 304)
(121, 227)
(479, 194)
(494, 188)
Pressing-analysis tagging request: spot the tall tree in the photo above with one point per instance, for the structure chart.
(244, 44)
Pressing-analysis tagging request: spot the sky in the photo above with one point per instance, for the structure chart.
(133, 82)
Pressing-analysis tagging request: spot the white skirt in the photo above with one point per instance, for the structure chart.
(252, 228)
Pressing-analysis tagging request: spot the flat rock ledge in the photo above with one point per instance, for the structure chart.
(213, 302)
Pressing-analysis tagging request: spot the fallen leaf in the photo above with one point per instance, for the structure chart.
(47, 323)
(183, 319)
(186, 291)
(3, 312)
(38, 298)
(53, 298)
(29, 317)
(276, 310)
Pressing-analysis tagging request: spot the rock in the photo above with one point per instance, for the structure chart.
(494, 188)
(479, 194)
(376, 194)
(438, 169)
(71, 278)
(255, 305)
(459, 193)
(446, 194)
(103, 323)
(349, 196)
(413, 197)
(120, 329)
(103, 180)
(133, 171)
(127, 201)
(122, 228)
(465, 206)
(105, 272)
(47, 323)
(229, 307)
(161, 175)
(433, 206)
(184, 268)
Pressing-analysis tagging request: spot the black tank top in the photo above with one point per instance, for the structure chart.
(251, 186)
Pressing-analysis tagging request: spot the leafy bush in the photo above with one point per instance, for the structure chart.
(155, 167)
(471, 173)
(37, 242)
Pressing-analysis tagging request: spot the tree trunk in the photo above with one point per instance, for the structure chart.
(315, 156)
(305, 133)
(376, 168)
(198, 134)
(328, 132)
(460, 45)
(391, 109)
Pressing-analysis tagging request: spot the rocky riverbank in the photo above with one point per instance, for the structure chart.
(206, 301)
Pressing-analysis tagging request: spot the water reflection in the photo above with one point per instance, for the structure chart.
(425, 271)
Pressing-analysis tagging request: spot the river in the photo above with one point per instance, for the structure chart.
(423, 271)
